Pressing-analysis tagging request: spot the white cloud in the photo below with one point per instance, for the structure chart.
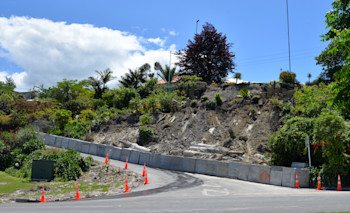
(50, 51)
(158, 41)
(173, 33)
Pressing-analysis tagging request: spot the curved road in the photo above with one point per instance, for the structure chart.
(184, 192)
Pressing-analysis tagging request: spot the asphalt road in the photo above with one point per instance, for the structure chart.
(180, 192)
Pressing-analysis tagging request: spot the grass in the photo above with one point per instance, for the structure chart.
(13, 184)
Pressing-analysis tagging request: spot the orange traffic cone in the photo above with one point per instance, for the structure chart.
(42, 195)
(146, 179)
(126, 163)
(339, 184)
(106, 160)
(126, 186)
(297, 181)
(144, 169)
(319, 182)
(77, 194)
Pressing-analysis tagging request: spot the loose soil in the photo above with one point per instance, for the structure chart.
(203, 133)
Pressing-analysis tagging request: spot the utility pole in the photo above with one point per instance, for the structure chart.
(290, 69)
(196, 26)
(169, 71)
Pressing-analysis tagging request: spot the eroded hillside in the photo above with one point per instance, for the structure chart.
(204, 133)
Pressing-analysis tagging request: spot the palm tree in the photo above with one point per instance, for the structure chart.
(309, 76)
(99, 84)
(164, 72)
(134, 78)
(237, 76)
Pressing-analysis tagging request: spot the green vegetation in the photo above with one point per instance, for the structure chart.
(245, 92)
(18, 150)
(12, 184)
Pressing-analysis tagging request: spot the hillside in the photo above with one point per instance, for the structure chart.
(203, 133)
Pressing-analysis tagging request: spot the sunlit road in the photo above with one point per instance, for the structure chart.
(178, 192)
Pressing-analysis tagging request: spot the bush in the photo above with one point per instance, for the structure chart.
(276, 103)
(194, 103)
(204, 98)
(145, 133)
(288, 77)
(218, 99)
(32, 145)
(62, 117)
(70, 165)
(5, 103)
(192, 86)
(244, 92)
(288, 145)
(231, 133)
(210, 105)
(146, 119)
(151, 104)
(25, 134)
(165, 100)
(287, 109)
(77, 105)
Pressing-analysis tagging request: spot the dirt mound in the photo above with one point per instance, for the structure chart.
(204, 133)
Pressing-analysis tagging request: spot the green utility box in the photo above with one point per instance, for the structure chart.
(42, 170)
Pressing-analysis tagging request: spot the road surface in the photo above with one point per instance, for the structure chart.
(184, 192)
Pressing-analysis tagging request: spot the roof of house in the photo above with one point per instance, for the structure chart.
(175, 79)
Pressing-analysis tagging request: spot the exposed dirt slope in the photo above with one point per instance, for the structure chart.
(203, 133)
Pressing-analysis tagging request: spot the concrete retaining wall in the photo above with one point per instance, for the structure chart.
(275, 175)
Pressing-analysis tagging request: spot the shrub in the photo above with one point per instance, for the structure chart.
(5, 103)
(70, 165)
(210, 105)
(276, 103)
(32, 145)
(192, 86)
(151, 104)
(218, 99)
(135, 104)
(231, 133)
(26, 134)
(288, 145)
(244, 92)
(145, 133)
(287, 109)
(76, 129)
(62, 117)
(165, 100)
(194, 103)
(288, 77)
(119, 98)
(146, 119)
(76, 105)
(204, 98)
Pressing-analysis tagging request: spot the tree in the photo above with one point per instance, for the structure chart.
(208, 56)
(134, 78)
(99, 84)
(338, 22)
(331, 62)
(164, 72)
(309, 76)
(10, 81)
(237, 76)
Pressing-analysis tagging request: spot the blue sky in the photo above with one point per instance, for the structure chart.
(42, 42)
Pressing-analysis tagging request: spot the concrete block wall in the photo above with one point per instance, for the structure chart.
(274, 175)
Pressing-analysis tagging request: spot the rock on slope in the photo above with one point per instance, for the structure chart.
(203, 133)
